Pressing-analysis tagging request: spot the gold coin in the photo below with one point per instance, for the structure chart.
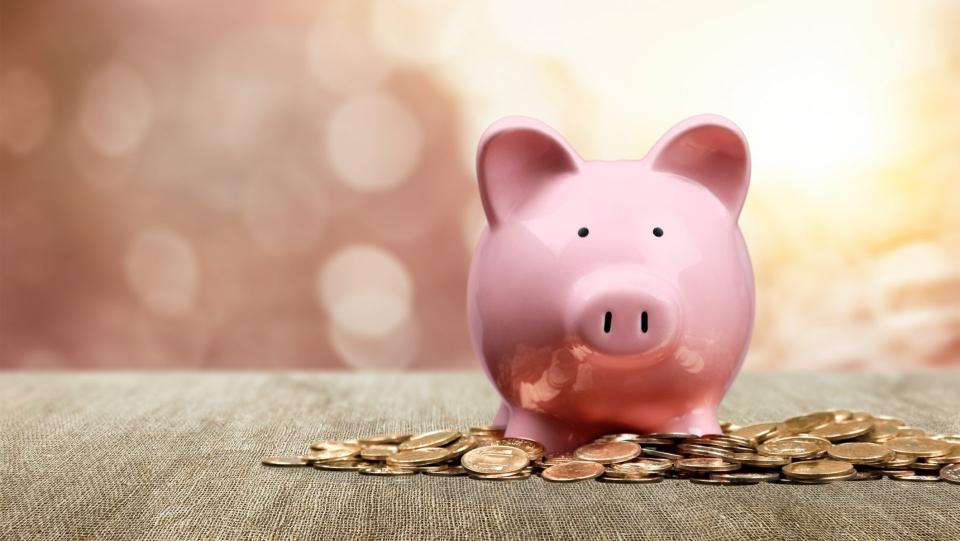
(952, 457)
(284, 461)
(333, 453)
(821, 480)
(745, 476)
(384, 439)
(434, 438)
(320, 445)
(844, 430)
(951, 474)
(755, 432)
(794, 447)
(724, 440)
(461, 446)
(534, 449)
(447, 471)
(378, 452)
(818, 469)
(718, 481)
(706, 465)
(759, 461)
(576, 470)
(931, 478)
(883, 430)
(631, 479)
(623, 436)
(671, 435)
(385, 470)
(952, 439)
(805, 423)
(418, 456)
(658, 453)
(608, 452)
(495, 459)
(860, 452)
(840, 415)
(515, 476)
(703, 450)
(348, 464)
(898, 461)
(643, 466)
(906, 431)
(919, 446)
(553, 459)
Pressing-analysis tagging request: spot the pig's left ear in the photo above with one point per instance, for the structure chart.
(710, 150)
(517, 158)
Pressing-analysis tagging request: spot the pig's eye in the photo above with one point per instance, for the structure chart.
(583, 232)
(657, 232)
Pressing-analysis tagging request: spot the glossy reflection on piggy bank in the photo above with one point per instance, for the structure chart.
(611, 296)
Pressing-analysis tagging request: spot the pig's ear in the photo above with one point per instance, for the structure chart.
(517, 157)
(710, 150)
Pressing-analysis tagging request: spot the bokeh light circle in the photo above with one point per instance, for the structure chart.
(25, 110)
(116, 111)
(393, 351)
(366, 290)
(374, 142)
(162, 270)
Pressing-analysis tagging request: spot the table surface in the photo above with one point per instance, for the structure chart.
(177, 456)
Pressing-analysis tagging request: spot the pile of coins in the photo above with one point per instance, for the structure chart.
(816, 448)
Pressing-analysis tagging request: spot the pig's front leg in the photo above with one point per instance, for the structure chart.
(554, 435)
(702, 420)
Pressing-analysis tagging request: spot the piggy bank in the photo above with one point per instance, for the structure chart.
(611, 296)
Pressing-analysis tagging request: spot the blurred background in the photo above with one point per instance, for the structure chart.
(288, 184)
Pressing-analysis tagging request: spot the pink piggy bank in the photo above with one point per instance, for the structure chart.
(611, 296)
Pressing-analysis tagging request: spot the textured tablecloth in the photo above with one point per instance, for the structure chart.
(177, 456)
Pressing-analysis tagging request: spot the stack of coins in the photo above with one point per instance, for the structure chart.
(815, 448)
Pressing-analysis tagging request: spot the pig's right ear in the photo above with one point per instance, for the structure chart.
(517, 157)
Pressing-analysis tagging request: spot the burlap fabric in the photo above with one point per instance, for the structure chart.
(177, 456)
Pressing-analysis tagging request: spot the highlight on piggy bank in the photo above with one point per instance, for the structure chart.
(611, 296)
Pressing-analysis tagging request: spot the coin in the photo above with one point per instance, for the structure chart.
(608, 452)
(284, 461)
(643, 466)
(795, 447)
(656, 453)
(822, 480)
(378, 452)
(347, 464)
(757, 477)
(447, 471)
(951, 474)
(805, 423)
(720, 481)
(557, 458)
(332, 453)
(385, 470)
(495, 459)
(518, 476)
(702, 450)
(952, 457)
(866, 476)
(916, 478)
(706, 465)
(632, 479)
(755, 432)
(576, 470)
(534, 449)
(883, 430)
(860, 452)
(844, 430)
(461, 446)
(919, 446)
(418, 456)
(671, 435)
(818, 469)
(759, 461)
(434, 438)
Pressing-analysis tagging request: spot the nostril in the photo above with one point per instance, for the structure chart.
(643, 322)
(607, 322)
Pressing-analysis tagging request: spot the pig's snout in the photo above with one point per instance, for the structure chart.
(623, 312)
